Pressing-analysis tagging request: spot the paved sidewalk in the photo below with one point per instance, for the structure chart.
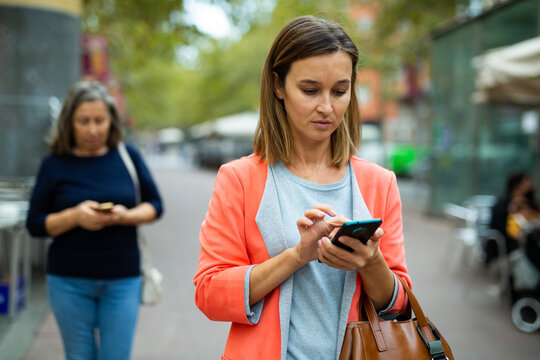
(461, 303)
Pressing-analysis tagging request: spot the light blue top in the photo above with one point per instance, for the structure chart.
(317, 288)
(315, 301)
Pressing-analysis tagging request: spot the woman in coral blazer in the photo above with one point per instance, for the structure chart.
(267, 263)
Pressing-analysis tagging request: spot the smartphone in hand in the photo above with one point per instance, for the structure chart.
(105, 207)
(361, 230)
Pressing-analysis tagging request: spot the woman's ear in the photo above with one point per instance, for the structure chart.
(278, 90)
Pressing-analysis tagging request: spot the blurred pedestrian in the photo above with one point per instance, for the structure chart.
(84, 198)
(272, 213)
(523, 226)
(523, 216)
(518, 185)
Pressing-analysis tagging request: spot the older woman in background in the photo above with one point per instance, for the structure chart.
(93, 266)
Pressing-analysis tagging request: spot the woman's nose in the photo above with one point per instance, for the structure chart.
(92, 127)
(325, 106)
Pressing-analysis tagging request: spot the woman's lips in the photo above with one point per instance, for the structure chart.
(322, 124)
(92, 142)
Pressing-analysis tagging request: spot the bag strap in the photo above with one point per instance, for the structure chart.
(131, 169)
(147, 259)
(373, 319)
(426, 330)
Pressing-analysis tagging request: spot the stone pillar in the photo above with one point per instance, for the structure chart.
(40, 55)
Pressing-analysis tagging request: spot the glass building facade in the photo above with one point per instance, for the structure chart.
(475, 147)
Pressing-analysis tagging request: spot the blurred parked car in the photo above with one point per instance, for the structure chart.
(405, 159)
(372, 147)
(224, 139)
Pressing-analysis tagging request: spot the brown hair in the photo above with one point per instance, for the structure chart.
(304, 37)
(62, 140)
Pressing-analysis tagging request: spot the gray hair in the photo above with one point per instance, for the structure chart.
(62, 140)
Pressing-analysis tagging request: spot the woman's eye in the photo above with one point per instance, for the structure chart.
(309, 91)
(340, 92)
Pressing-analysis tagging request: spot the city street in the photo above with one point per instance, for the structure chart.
(462, 303)
(446, 94)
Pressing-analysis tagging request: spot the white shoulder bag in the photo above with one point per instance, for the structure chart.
(152, 281)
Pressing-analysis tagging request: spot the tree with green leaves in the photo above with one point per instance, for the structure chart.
(174, 75)
(402, 30)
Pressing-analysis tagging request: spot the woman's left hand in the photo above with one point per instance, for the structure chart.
(140, 214)
(361, 257)
(118, 215)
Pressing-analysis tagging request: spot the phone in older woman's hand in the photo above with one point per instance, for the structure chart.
(105, 207)
(361, 230)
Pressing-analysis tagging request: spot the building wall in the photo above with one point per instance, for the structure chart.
(374, 108)
(476, 147)
(368, 90)
(39, 61)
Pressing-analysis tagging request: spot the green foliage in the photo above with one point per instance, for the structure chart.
(142, 39)
(402, 29)
(138, 28)
(147, 38)
(230, 75)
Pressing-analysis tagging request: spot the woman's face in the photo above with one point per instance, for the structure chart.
(316, 94)
(91, 124)
(525, 186)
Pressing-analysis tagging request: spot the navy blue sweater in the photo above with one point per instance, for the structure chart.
(65, 181)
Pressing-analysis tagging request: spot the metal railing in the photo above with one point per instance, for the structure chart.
(15, 245)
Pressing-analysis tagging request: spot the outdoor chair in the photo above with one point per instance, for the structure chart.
(472, 231)
(471, 227)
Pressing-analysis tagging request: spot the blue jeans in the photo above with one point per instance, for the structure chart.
(96, 318)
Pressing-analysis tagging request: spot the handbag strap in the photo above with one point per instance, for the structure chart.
(147, 259)
(425, 329)
(131, 169)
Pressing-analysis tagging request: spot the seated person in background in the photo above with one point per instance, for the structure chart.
(523, 226)
(517, 185)
(523, 215)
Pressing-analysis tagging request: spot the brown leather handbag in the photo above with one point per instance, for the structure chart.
(378, 339)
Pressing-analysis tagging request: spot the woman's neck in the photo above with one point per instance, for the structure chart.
(87, 153)
(314, 163)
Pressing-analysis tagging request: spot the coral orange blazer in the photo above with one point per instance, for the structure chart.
(243, 227)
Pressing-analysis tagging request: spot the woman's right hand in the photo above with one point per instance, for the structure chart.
(88, 218)
(312, 227)
(269, 274)
(84, 215)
